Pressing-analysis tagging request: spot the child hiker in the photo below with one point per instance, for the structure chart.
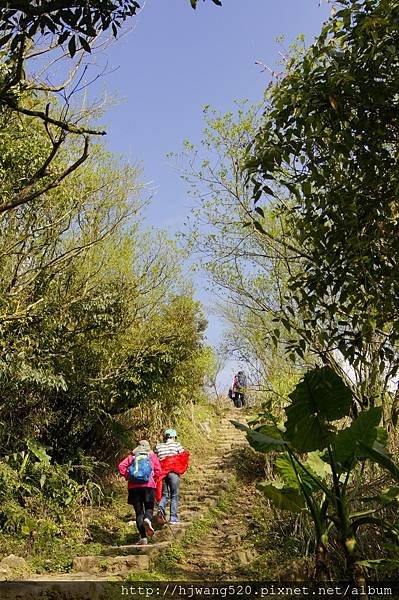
(174, 462)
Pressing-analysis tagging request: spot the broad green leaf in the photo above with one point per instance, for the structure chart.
(286, 471)
(264, 439)
(289, 475)
(317, 465)
(282, 497)
(363, 429)
(320, 397)
(379, 454)
(269, 441)
(240, 426)
(308, 433)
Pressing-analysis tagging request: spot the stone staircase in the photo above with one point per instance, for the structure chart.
(200, 489)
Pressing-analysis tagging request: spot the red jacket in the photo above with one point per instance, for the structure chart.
(156, 471)
(178, 463)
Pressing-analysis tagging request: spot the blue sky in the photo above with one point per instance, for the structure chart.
(175, 60)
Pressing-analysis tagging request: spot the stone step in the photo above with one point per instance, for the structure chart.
(202, 500)
(132, 549)
(190, 515)
(200, 482)
(170, 533)
(48, 578)
(210, 483)
(111, 564)
(192, 506)
(194, 503)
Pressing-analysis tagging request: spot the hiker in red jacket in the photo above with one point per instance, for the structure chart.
(174, 462)
(142, 495)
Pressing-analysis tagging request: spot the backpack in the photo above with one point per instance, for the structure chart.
(140, 469)
(242, 380)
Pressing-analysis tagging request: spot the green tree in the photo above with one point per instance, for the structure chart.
(247, 270)
(95, 319)
(32, 32)
(329, 142)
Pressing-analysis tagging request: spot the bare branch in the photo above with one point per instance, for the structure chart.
(47, 119)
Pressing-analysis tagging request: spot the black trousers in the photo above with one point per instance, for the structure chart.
(238, 399)
(143, 500)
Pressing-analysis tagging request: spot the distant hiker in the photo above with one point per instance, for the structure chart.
(238, 387)
(142, 470)
(174, 462)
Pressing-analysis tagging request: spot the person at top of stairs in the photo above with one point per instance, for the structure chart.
(174, 462)
(142, 470)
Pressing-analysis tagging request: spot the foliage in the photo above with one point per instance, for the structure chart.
(329, 143)
(76, 22)
(319, 460)
(94, 316)
(246, 270)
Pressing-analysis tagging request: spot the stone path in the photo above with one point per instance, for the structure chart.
(221, 553)
(201, 489)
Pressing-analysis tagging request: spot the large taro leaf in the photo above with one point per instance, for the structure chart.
(289, 474)
(317, 465)
(283, 497)
(266, 438)
(363, 429)
(320, 397)
(379, 454)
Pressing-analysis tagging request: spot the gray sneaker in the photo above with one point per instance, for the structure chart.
(142, 542)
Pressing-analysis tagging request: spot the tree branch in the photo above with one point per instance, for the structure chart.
(24, 197)
(47, 119)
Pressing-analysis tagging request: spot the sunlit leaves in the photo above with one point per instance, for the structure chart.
(330, 139)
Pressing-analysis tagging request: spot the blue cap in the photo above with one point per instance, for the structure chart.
(170, 433)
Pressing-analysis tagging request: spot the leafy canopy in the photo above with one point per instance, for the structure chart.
(329, 141)
(78, 21)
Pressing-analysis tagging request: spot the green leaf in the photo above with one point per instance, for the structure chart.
(39, 451)
(317, 465)
(265, 438)
(363, 429)
(379, 454)
(63, 37)
(289, 475)
(259, 227)
(282, 497)
(260, 211)
(85, 44)
(320, 397)
(72, 46)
